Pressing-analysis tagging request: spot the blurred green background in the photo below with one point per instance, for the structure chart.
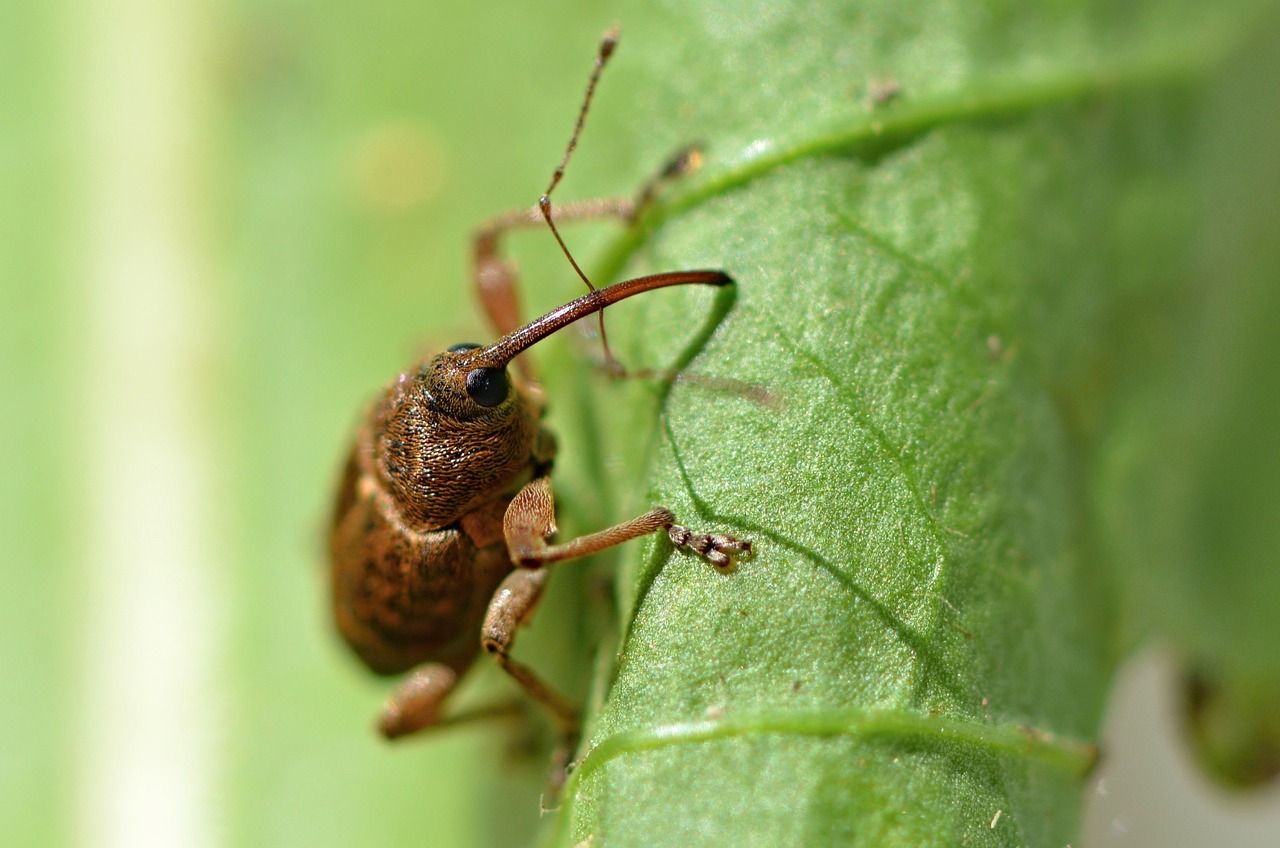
(222, 227)
(225, 226)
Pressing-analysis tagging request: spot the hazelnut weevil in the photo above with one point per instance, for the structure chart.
(441, 535)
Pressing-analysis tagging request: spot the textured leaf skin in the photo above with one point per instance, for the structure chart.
(936, 288)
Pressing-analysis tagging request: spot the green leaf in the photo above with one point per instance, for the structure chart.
(935, 289)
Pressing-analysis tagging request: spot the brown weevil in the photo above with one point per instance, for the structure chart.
(444, 519)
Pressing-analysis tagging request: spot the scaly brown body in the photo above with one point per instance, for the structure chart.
(416, 545)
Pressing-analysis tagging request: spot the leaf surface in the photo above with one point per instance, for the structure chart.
(938, 216)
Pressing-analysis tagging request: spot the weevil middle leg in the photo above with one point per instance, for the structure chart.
(529, 524)
(495, 279)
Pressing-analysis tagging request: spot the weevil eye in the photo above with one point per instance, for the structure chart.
(463, 347)
(487, 386)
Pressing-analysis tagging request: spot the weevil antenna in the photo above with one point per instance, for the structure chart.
(607, 45)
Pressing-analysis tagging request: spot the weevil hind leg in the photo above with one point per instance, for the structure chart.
(416, 703)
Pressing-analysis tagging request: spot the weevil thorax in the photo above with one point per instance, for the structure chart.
(449, 437)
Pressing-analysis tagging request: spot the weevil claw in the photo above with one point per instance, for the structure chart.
(722, 551)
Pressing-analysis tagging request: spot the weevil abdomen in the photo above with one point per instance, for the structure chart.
(402, 597)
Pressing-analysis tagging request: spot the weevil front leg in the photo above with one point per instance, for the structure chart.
(528, 525)
(415, 704)
(530, 522)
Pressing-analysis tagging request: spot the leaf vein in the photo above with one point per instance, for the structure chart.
(896, 727)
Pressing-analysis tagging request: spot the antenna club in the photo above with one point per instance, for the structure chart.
(609, 42)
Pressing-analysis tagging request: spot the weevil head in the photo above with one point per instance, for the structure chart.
(458, 432)
(452, 435)
(455, 385)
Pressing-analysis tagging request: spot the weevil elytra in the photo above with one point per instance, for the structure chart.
(444, 519)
